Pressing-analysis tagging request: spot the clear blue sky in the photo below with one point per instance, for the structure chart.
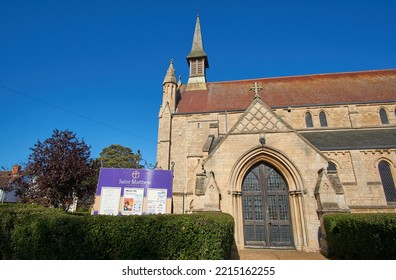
(96, 67)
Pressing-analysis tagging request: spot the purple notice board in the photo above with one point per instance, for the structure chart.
(127, 178)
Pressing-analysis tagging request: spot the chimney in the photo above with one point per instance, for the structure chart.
(16, 169)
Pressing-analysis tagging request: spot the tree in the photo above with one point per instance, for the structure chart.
(59, 169)
(120, 157)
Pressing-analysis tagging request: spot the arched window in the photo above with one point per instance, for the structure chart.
(383, 116)
(322, 118)
(308, 119)
(331, 167)
(387, 181)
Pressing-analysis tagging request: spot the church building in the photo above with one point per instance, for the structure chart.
(278, 153)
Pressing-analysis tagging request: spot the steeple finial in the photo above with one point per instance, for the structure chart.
(179, 82)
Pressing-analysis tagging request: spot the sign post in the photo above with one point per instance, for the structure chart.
(125, 191)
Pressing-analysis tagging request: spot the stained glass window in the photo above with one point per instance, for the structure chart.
(251, 183)
(258, 207)
(247, 208)
(276, 182)
(283, 209)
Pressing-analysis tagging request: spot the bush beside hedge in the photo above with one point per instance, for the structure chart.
(361, 236)
(32, 232)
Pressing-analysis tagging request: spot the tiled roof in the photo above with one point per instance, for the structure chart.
(5, 177)
(352, 139)
(295, 91)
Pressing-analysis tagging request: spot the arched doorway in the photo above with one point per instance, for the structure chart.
(265, 208)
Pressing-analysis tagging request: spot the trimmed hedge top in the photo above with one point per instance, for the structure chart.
(34, 232)
(361, 236)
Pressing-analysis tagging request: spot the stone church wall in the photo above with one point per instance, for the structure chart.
(302, 155)
(338, 117)
(357, 170)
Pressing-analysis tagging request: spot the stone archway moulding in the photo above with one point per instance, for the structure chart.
(293, 179)
(270, 155)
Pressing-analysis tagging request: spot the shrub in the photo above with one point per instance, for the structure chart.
(34, 232)
(361, 236)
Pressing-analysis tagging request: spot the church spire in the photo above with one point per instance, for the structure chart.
(197, 50)
(197, 61)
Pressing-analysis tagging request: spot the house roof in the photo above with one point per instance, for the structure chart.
(352, 139)
(8, 176)
(294, 91)
(5, 177)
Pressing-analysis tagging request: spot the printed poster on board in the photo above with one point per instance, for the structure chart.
(133, 201)
(156, 201)
(110, 201)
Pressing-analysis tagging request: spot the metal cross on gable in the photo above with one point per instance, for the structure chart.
(256, 87)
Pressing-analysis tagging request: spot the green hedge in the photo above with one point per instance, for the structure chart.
(361, 236)
(33, 232)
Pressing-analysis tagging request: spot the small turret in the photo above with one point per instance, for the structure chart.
(170, 88)
(170, 76)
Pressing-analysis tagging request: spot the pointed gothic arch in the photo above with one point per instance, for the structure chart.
(383, 116)
(266, 208)
(322, 119)
(295, 191)
(332, 167)
(308, 120)
(387, 180)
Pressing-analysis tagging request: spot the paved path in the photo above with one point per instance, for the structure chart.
(269, 254)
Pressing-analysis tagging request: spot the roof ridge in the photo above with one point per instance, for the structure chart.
(363, 87)
(309, 75)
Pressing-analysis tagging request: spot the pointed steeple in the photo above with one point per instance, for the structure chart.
(197, 50)
(197, 61)
(170, 74)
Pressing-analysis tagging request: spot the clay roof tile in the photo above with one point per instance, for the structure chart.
(294, 91)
